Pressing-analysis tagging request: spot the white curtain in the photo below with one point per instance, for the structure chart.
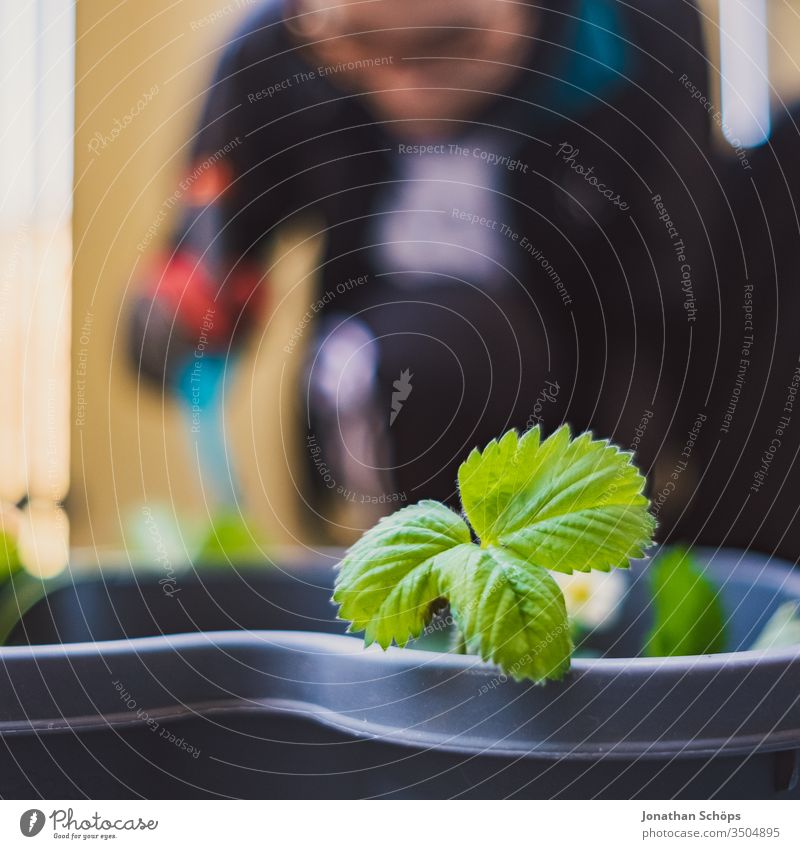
(36, 130)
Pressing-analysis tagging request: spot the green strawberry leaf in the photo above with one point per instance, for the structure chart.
(558, 504)
(570, 505)
(510, 611)
(388, 581)
(688, 616)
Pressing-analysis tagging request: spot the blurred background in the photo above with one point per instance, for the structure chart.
(76, 427)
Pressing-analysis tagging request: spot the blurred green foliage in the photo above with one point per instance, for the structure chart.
(231, 539)
(9, 557)
(158, 537)
(688, 616)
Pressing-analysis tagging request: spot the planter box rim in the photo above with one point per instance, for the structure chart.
(409, 697)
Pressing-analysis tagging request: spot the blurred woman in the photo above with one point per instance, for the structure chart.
(516, 201)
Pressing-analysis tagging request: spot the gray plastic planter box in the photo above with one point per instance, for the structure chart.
(250, 689)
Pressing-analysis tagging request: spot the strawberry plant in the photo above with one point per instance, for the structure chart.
(531, 506)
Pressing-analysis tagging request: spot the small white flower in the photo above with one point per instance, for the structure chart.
(593, 599)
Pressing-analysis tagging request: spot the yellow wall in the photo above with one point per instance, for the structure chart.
(129, 447)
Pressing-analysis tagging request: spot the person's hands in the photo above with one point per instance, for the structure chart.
(424, 64)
